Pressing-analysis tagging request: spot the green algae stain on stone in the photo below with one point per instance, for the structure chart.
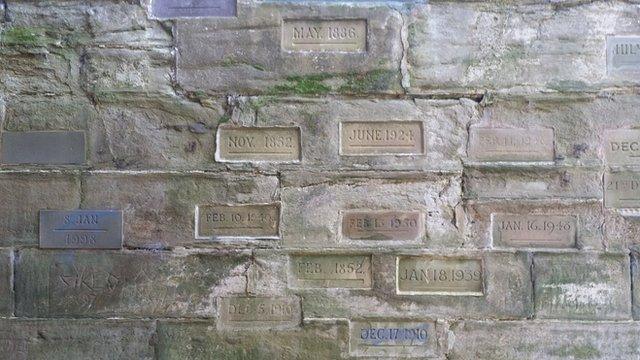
(303, 85)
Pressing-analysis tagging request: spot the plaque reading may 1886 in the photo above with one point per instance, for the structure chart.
(166, 9)
(489, 144)
(81, 229)
(250, 312)
(622, 147)
(274, 144)
(392, 339)
(622, 190)
(555, 231)
(382, 225)
(381, 138)
(324, 35)
(623, 54)
(247, 220)
(439, 276)
(43, 147)
(331, 271)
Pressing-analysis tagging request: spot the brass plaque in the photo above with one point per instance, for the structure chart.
(324, 35)
(392, 339)
(622, 147)
(439, 276)
(622, 190)
(331, 271)
(251, 220)
(81, 229)
(553, 231)
(623, 55)
(489, 144)
(382, 225)
(252, 312)
(381, 138)
(245, 144)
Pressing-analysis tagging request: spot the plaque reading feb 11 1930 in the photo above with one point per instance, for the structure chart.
(81, 229)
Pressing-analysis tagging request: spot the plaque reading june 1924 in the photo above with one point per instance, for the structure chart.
(43, 148)
(81, 229)
(169, 9)
(381, 138)
(273, 144)
(552, 231)
(439, 276)
(245, 220)
(382, 225)
(324, 35)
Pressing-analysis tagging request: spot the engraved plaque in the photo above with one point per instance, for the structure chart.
(331, 271)
(553, 231)
(623, 54)
(622, 190)
(324, 35)
(622, 147)
(381, 138)
(250, 220)
(439, 276)
(81, 229)
(250, 312)
(43, 148)
(488, 144)
(392, 338)
(169, 9)
(382, 225)
(273, 144)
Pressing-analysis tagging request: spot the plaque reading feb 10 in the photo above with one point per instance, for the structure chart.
(81, 229)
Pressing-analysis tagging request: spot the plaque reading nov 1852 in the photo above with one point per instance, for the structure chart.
(170, 9)
(43, 148)
(81, 229)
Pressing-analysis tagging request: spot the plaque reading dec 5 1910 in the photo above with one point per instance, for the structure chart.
(81, 229)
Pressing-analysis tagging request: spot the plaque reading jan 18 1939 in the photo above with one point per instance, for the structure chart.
(439, 276)
(168, 9)
(267, 144)
(242, 220)
(381, 138)
(43, 148)
(324, 35)
(81, 229)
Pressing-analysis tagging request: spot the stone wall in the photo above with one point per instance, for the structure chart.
(319, 180)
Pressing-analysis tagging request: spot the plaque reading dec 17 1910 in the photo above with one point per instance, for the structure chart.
(168, 9)
(81, 229)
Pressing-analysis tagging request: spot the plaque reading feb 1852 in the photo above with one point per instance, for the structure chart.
(81, 229)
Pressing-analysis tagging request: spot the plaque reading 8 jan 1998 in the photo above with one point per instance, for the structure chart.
(553, 231)
(490, 144)
(168, 9)
(439, 276)
(245, 220)
(324, 35)
(331, 271)
(81, 229)
(381, 138)
(244, 144)
(382, 225)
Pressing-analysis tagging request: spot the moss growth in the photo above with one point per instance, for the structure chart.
(356, 83)
(302, 85)
(22, 36)
(232, 62)
(586, 351)
(224, 119)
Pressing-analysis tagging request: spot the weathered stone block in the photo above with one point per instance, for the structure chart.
(129, 284)
(582, 286)
(22, 339)
(635, 279)
(313, 206)
(543, 340)
(24, 194)
(200, 340)
(6, 282)
(159, 208)
(267, 55)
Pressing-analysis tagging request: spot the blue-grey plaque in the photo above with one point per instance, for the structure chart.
(81, 229)
(171, 9)
(43, 148)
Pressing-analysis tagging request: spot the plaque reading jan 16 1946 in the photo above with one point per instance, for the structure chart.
(263, 312)
(553, 231)
(623, 55)
(439, 276)
(43, 148)
(168, 9)
(382, 225)
(622, 190)
(243, 220)
(331, 271)
(392, 339)
(244, 144)
(324, 35)
(489, 144)
(81, 229)
(622, 147)
(381, 138)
